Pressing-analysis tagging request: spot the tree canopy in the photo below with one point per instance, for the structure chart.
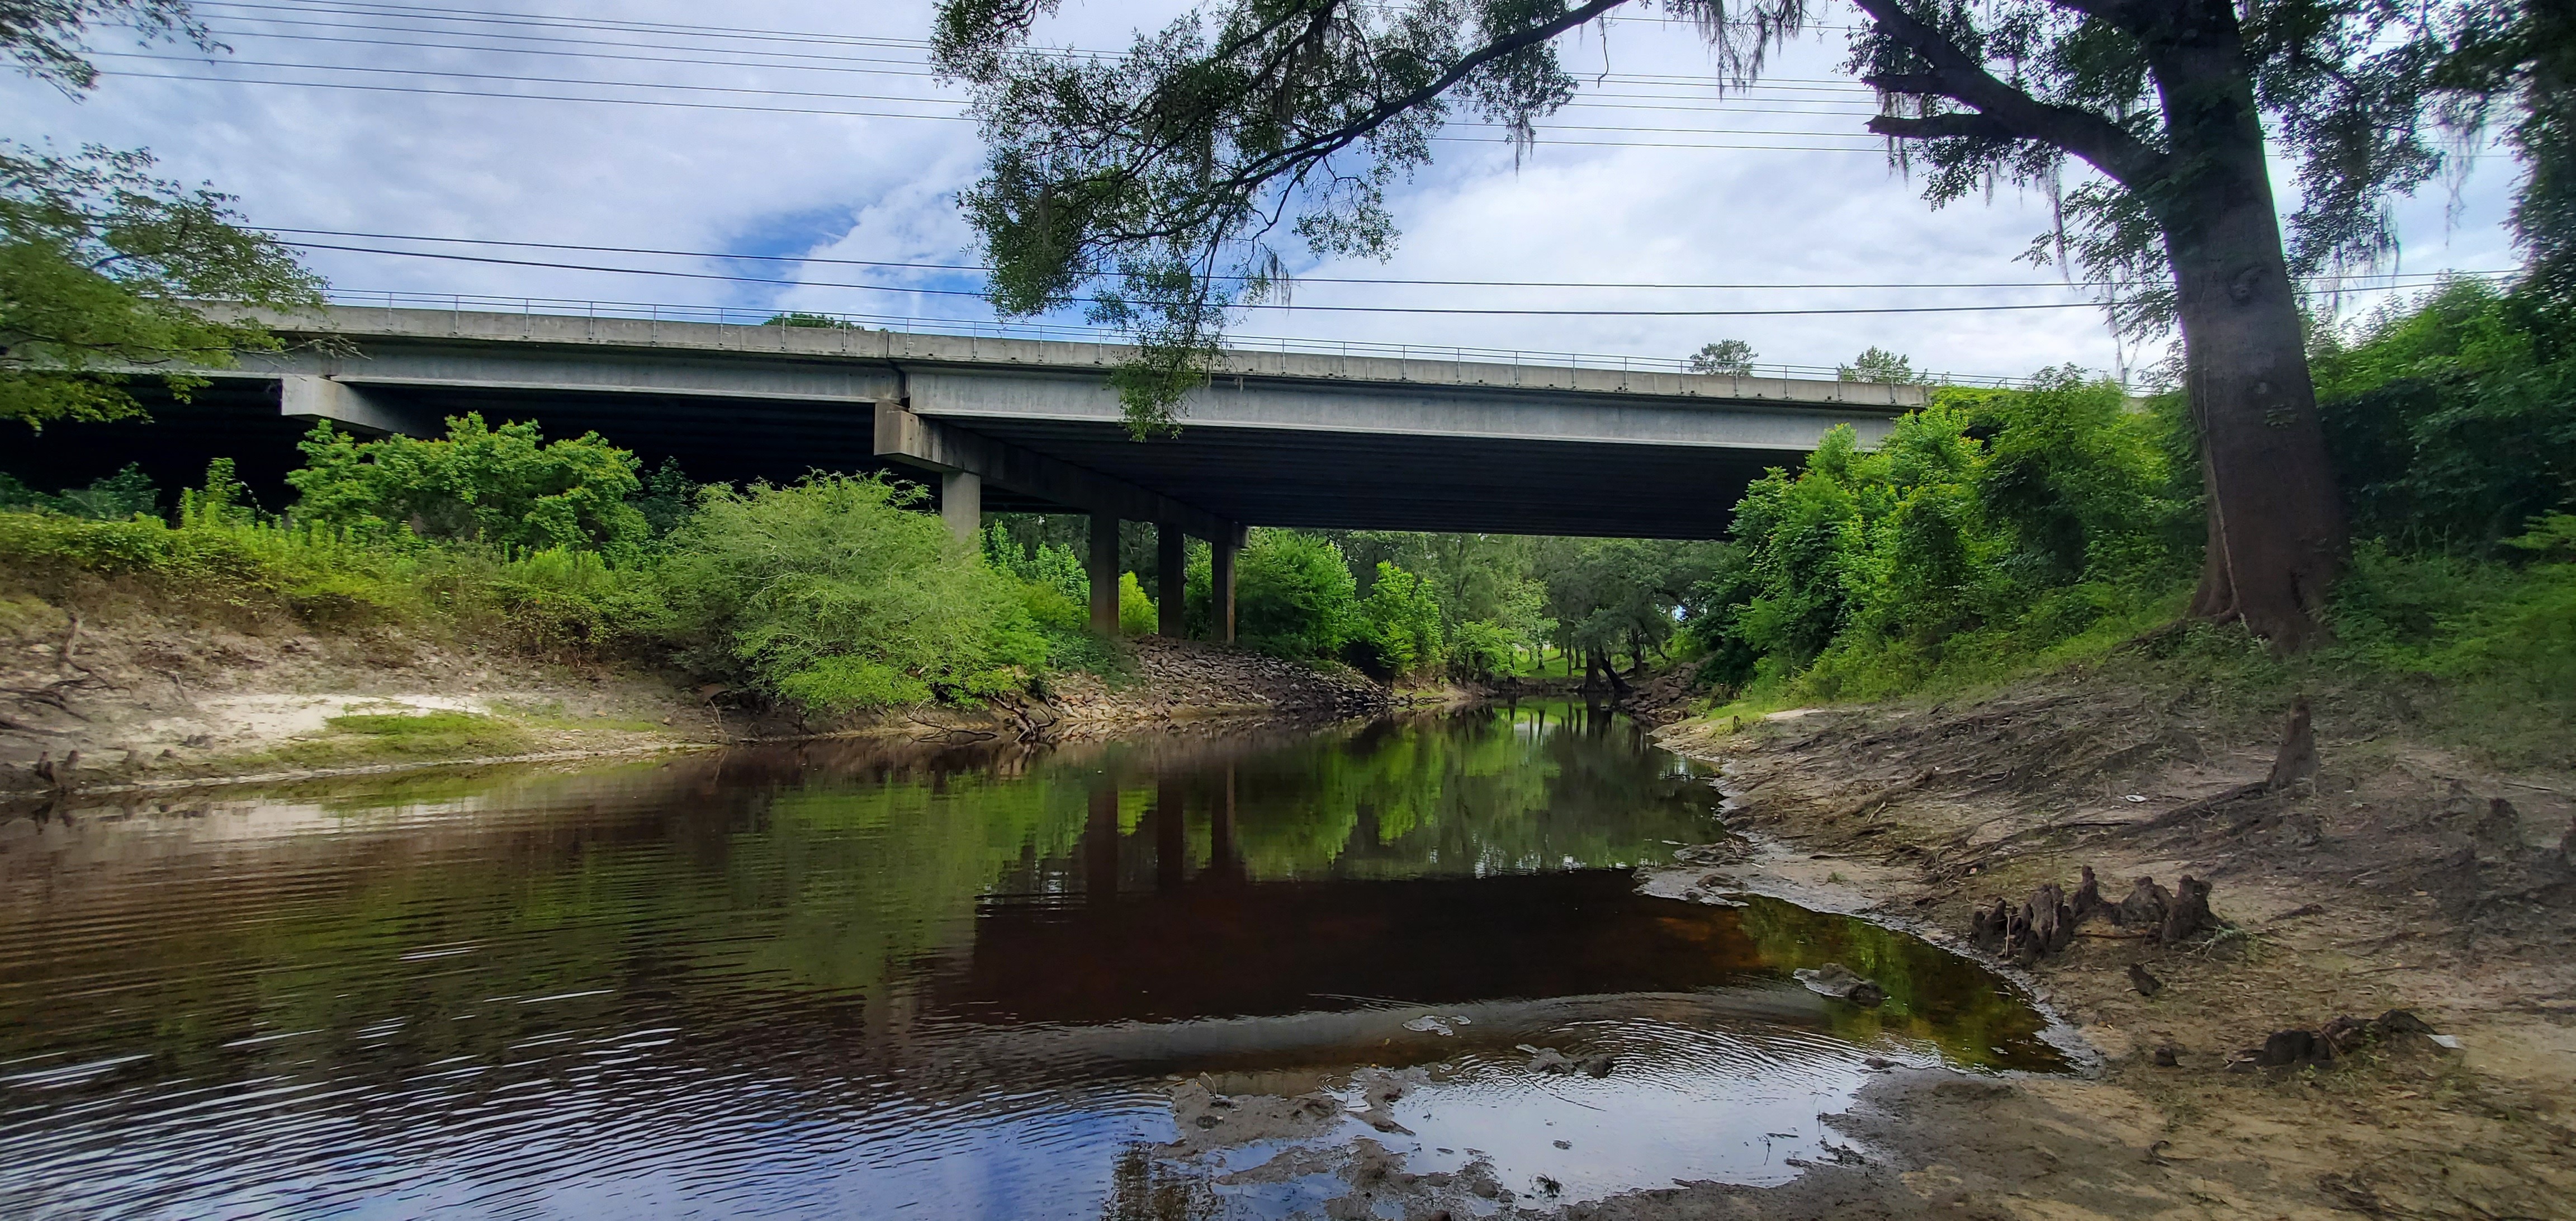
(1167, 185)
(1173, 182)
(106, 269)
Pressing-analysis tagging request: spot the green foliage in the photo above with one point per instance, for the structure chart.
(1729, 357)
(833, 593)
(1136, 614)
(44, 36)
(108, 498)
(803, 319)
(1402, 623)
(1294, 595)
(1163, 182)
(1877, 364)
(1481, 650)
(2452, 418)
(505, 486)
(667, 498)
(103, 266)
(433, 733)
(1992, 524)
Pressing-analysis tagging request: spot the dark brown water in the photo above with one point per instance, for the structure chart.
(859, 981)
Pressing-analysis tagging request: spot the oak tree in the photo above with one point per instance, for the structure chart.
(1161, 184)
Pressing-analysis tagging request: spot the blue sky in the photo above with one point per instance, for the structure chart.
(758, 179)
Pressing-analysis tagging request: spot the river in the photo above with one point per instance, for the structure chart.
(859, 979)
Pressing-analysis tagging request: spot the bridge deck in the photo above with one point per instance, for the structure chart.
(1288, 439)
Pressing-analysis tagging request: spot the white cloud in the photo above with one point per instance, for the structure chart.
(884, 189)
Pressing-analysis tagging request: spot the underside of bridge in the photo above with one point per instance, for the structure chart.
(1259, 476)
(1274, 439)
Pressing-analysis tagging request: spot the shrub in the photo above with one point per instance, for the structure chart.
(505, 486)
(1991, 524)
(2451, 419)
(832, 593)
(1481, 649)
(1294, 595)
(1400, 624)
(1136, 613)
(111, 498)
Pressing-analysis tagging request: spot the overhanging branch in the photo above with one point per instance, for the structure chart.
(1940, 126)
(2013, 114)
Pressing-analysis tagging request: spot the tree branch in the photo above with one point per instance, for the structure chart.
(1941, 126)
(1332, 141)
(1963, 79)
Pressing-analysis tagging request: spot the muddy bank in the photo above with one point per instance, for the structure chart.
(132, 698)
(2385, 874)
(2426, 902)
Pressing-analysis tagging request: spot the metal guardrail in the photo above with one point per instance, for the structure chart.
(734, 315)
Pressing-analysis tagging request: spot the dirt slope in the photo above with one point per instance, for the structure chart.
(2400, 876)
(132, 695)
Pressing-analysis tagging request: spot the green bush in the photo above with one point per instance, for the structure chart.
(1400, 622)
(834, 593)
(2452, 419)
(505, 486)
(1481, 649)
(1294, 595)
(1992, 525)
(111, 498)
(1136, 613)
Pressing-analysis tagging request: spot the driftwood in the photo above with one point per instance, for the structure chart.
(1877, 801)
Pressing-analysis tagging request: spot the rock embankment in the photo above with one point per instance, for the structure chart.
(1181, 679)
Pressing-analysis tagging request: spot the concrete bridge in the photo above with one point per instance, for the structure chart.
(1275, 439)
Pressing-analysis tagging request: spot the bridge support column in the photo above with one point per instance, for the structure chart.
(1103, 571)
(1221, 552)
(1171, 585)
(961, 502)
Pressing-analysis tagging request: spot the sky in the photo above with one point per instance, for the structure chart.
(799, 131)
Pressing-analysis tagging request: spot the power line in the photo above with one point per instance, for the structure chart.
(453, 16)
(1611, 101)
(855, 97)
(921, 68)
(1335, 309)
(2422, 277)
(956, 118)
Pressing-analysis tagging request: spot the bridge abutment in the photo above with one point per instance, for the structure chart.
(1171, 592)
(1103, 572)
(961, 503)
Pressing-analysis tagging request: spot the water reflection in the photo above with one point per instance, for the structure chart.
(854, 978)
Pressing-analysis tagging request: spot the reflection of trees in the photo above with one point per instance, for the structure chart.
(642, 882)
(1144, 1189)
(1488, 790)
(1933, 995)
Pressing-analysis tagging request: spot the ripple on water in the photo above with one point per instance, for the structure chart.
(855, 980)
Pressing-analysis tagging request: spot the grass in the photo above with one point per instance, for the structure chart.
(552, 714)
(362, 738)
(430, 731)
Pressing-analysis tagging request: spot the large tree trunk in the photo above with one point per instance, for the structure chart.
(2276, 525)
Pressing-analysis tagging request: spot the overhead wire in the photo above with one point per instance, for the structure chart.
(1617, 101)
(2411, 279)
(856, 97)
(666, 103)
(699, 33)
(1333, 309)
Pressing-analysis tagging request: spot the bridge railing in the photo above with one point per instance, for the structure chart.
(736, 315)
